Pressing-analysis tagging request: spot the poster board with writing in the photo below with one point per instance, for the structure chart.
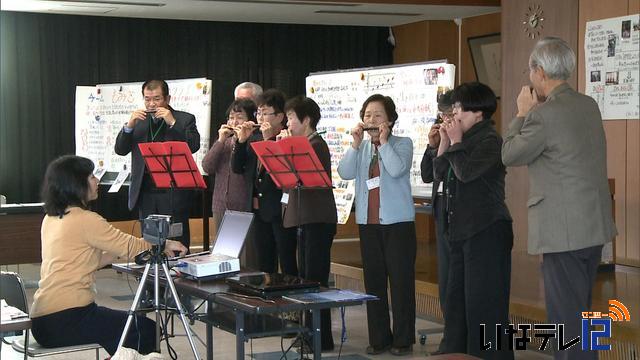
(102, 110)
(612, 65)
(413, 87)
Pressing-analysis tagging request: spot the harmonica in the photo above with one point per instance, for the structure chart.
(371, 129)
(152, 111)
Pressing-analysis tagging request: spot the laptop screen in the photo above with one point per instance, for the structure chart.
(232, 232)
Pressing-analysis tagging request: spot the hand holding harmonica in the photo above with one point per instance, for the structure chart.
(225, 132)
(284, 133)
(527, 99)
(245, 130)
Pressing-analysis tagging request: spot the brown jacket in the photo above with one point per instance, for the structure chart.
(316, 205)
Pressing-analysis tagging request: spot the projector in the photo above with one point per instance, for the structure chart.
(209, 265)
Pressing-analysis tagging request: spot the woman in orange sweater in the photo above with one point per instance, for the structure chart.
(75, 243)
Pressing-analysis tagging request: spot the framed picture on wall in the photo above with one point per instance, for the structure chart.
(487, 60)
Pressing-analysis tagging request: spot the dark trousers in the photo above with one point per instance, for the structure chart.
(315, 264)
(389, 254)
(273, 243)
(94, 324)
(160, 202)
(443, 256)
(568, 283)
(478, 292)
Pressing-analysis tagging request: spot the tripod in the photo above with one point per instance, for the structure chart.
(157, 259)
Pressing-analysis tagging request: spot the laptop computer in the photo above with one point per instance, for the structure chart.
(271, 285)
(223, 259)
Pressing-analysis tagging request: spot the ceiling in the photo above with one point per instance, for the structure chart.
(326, 12)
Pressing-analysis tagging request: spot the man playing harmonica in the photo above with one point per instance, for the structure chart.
(157, 122)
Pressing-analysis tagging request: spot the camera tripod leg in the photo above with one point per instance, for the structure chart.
(181, 311)
(134, 305)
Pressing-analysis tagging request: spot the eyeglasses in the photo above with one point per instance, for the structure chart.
(260, 114)
(442, 116)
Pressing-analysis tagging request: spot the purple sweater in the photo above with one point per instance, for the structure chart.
(229, 191)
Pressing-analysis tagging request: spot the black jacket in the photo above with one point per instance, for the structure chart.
(259, 184)
(473, 181)
(183, 130)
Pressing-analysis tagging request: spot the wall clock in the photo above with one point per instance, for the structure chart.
(533, 19)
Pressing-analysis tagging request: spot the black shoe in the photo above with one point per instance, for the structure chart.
(401, 350)
(372, 350)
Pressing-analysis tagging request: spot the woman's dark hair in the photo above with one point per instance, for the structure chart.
(444, 101)
(66, 184)
(243, 105)
(475, 96)
(276, 99)
(387, 102)
(303, 107)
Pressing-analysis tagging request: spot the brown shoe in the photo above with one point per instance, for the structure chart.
(401, 350)
(371, 350)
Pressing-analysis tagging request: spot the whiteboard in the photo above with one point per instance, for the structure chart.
(413, 87)
(102, 111)
(612, 58)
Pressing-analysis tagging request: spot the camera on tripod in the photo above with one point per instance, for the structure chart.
(157, 228)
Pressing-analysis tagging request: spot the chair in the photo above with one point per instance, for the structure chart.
(14, 294)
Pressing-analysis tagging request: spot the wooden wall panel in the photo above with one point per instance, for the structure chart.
(443, 41)
(426, 40)
(623, 142)
(472, 27)
(616, 130)
(411, 42)
(560, 19)
(632, 257)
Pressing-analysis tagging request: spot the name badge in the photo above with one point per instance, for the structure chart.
(373, 183)
(285, 198)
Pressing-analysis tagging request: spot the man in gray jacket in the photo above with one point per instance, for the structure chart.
(562, 142)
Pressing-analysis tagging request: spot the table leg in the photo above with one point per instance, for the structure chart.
(209, 329)
(315, 332)
(239, 335)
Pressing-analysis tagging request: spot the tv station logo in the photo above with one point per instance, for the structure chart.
(595, 326)
(591, 319)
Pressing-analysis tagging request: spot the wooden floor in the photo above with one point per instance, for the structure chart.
(527, 290)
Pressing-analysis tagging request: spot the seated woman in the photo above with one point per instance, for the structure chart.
(230, 190)
(385, 214)
(477, 226)
(75, 243)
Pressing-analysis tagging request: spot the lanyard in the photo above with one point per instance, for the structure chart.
(152, 133)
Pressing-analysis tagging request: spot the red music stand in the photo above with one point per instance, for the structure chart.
(292, 163)
(171, 165)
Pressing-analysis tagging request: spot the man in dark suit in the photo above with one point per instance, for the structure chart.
(563, 144)
(157, 122)
(272, 243)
